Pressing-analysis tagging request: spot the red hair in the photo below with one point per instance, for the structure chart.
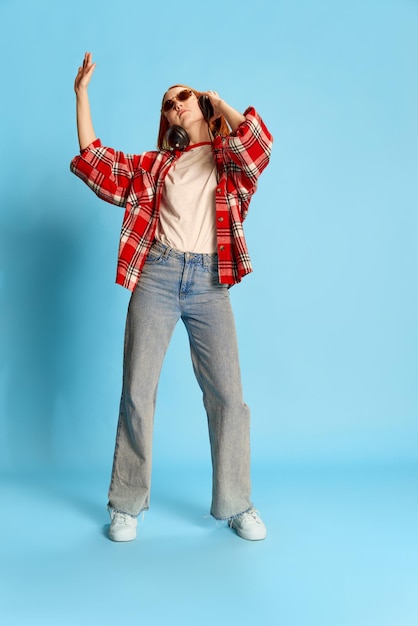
(217, 127)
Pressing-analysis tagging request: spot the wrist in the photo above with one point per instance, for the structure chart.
(81, 92)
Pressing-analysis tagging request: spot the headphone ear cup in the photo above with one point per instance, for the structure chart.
(177, 138)
(206, 107)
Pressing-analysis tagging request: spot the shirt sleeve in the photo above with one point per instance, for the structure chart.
(246, 153)
(106, 171)
(249, 147)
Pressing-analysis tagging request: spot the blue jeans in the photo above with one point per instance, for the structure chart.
(177, 285)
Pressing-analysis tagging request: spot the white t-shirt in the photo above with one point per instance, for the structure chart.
(187, 210)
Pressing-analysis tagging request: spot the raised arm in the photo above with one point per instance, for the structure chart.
(86, 134)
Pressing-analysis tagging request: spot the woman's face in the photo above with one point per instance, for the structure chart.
(184, 112)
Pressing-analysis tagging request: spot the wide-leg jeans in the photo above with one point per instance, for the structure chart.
(176, 285)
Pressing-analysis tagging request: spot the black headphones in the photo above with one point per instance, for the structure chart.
(178, 139)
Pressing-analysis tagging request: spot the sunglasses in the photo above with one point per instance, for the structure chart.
(181, 97)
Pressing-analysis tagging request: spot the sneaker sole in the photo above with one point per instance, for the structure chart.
(248, 536)
(119, 539)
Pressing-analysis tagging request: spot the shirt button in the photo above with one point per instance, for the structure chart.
(218, 190)
(220, 219)
(221, 247)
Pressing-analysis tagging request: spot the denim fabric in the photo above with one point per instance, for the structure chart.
(177, 285)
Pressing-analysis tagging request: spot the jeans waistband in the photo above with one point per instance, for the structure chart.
(205, 260)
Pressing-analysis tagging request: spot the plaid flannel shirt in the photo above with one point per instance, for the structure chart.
(136, 182)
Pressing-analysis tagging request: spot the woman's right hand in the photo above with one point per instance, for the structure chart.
(84, 74)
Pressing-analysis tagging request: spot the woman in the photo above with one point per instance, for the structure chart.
(181, 247)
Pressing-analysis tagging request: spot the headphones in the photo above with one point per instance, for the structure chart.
(178, 139)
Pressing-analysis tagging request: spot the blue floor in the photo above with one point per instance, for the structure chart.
(342, 550)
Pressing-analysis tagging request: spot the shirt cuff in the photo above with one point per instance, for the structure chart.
(94, 144)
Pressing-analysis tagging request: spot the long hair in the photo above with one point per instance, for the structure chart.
(217, 127)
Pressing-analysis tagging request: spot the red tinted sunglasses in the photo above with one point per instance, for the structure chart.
(181, 97)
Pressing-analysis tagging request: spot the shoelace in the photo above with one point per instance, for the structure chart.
(120, 518)
(252, 513)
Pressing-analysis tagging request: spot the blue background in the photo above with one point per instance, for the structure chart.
(327, 322)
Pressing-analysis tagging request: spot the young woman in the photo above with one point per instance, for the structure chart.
(182, 246)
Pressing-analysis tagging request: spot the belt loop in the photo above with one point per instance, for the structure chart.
(167, 251)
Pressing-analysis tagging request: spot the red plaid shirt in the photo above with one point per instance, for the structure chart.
(136, 183)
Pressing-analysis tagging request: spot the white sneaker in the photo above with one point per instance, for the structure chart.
(249, 525)
(122, 527)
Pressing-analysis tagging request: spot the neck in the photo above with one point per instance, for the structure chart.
(199, 133)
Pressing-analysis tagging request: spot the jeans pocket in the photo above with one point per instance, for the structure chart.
(155, 255)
